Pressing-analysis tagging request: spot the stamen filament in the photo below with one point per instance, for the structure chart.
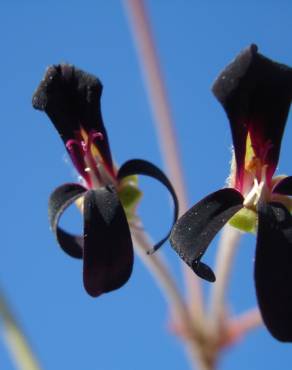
(258, 191)
(87, 159)
(76, 152)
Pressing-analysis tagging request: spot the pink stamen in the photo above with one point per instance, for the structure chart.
(70, 143)
(95, 135)
(93, 139)
(86, 161)
(84, 146)
(76, 152)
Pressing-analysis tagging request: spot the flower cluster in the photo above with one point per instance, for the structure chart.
(256, 94)
(107, 196)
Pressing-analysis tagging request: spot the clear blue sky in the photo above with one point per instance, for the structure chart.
(125, 330)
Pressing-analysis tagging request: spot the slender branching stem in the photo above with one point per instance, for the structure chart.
(160, 270)
(226, 250)
(201, 335)
(15, 339)
(158, 267)
(240, 325)
(150, 67)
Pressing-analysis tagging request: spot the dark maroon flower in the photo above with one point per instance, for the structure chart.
(107, 196)
(256, 94)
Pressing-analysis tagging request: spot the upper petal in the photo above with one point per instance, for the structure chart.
(256, 94)
(273, 269)
(71, 98)
(194, 231)
(108, 250)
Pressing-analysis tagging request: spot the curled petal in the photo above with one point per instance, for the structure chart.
(256, 95)
(60, 199)
(194, 231)
(284, 186)
(273, 269)
(142, 167)
(71, 98)
(108, 250)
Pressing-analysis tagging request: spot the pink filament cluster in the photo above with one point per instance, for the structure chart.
(82, 156)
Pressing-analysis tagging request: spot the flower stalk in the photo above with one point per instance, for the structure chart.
(225, 255)
(203, 340)
(150, 67)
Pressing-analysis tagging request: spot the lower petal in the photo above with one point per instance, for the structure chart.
(108, 250)
(273, 269)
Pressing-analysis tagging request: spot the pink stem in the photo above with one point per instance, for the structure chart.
(240, 325)
(164, 122)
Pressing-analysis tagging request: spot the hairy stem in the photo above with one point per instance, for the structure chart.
(15, 339)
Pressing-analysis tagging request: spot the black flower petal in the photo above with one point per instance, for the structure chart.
(273, 269)
(194, 231)
(256, 95)
(71, 98)
(59, 200)
(284, 186)
(108, 250)
(142, 167)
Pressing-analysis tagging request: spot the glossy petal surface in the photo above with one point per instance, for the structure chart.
(59, 200)
(108, 250)
(194, 231)
(273, 269)
(142, 167)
